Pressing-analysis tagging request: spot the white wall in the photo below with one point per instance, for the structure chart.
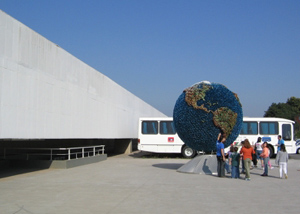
(45, 92)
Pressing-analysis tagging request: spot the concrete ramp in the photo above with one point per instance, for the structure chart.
(201, 164)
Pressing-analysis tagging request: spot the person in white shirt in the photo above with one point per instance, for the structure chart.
(259, 149)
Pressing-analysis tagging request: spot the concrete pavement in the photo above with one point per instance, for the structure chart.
(131, 184)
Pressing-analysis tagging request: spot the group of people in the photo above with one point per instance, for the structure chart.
(259, 151)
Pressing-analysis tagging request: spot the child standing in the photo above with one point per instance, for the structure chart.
(227, 164)
(265, 156)
(269, 162)
(282, 160)
(234, 161)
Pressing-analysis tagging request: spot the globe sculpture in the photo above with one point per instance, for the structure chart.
(203, 111)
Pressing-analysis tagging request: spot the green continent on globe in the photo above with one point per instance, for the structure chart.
(223, 118)
(193, 94)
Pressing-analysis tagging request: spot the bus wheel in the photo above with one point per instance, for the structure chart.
(271, 149)
(187, 152)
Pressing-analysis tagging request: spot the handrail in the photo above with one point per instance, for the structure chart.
(95, 150)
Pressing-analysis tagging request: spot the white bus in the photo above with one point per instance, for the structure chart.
(158, 135)
(268, 128)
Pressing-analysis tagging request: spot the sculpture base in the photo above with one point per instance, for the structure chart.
(201, 164)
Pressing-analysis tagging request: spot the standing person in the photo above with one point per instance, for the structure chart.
(243, 165)
(234, 161)
(259, 150)
(227, 163)
(254, 158)
(247, 152)
(280, 142)
(282, 160)
(221, 155)
(265, 156)
(269, 162)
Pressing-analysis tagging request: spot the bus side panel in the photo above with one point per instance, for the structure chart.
(160, 143)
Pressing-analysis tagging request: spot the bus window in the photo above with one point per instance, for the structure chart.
(286, 132)
(249, 128)
(167, 127)
(149, 127)
(268, 128)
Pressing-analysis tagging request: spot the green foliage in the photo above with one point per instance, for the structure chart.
(288, 110)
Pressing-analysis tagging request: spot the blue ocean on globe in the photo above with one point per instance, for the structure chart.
(203, 111)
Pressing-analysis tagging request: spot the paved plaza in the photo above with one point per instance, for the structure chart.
(133, 184)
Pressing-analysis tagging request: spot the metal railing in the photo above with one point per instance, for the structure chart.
(55, 153)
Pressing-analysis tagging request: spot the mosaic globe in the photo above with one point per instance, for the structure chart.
(203, 111)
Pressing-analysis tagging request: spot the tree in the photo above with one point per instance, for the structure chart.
(289, 110)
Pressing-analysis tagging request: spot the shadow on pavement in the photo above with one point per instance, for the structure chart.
(142, 154)
(12, 168)
(173, 166)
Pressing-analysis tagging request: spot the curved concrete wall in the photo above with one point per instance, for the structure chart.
(45, 92)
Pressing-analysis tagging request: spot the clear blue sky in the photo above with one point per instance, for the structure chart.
(157, 48)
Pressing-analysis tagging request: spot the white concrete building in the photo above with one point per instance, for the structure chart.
(46, 93)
